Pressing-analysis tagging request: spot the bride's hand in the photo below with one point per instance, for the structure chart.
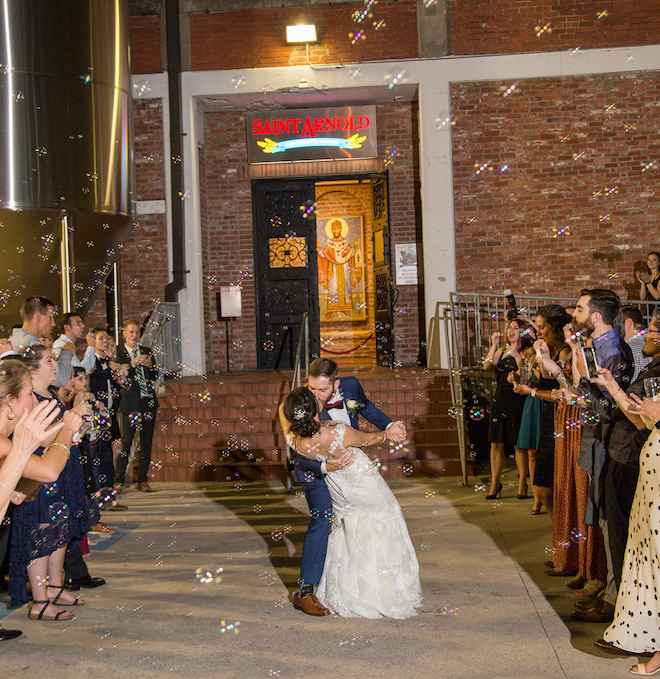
(332, 463)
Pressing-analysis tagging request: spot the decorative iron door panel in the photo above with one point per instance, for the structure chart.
(286, 269)
(382, 279)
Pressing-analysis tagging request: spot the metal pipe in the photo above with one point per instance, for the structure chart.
(173, 42)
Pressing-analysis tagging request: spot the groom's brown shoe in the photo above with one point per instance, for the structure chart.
(308, 603)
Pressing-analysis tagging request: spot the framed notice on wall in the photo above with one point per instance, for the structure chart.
(406, 264)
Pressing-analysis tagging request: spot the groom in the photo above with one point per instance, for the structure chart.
(341, 400)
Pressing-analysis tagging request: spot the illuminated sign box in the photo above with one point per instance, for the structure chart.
(311, 134)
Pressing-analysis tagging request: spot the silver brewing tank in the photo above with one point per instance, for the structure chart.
(66, 151)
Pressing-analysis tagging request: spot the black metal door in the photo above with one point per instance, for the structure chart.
(382, 279)
(286, 269)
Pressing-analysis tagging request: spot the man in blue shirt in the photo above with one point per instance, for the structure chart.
(594, 315)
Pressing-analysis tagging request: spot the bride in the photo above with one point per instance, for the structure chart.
(371, 569)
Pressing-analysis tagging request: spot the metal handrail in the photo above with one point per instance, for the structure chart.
(469, 322)
(296, 380)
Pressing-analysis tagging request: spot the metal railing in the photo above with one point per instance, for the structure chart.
(162, 334)
(296, 380)
(469, 321)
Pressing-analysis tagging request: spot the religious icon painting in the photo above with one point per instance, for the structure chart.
(341, 268)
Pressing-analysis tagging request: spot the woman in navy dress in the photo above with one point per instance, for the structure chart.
(42, 529)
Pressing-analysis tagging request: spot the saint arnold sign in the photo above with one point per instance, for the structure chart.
(311, 134)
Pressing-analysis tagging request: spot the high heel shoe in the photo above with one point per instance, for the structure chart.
(496, 493)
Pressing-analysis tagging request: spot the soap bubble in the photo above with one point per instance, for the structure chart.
(58, 512)
(444, 121)
(395, 77)
(407, 469)
(590, 419)
(453, 412)
(308, 209)
(257, 509)
(142, 88)
(209, 574)
(425, 546)
(105, 496)
(477, 413)
(577, 536)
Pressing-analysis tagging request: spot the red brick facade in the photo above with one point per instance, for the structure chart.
(256, 38)
(227, 230)
(144, 272)
(576, 149)
(145, 44)
(510, 26)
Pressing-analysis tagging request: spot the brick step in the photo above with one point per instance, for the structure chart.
(276, 470)
(228, 424)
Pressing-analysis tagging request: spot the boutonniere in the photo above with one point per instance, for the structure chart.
(353, 406)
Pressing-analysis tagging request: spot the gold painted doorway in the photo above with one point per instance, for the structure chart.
(345, 256)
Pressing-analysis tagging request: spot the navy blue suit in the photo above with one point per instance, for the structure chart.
(308, 473)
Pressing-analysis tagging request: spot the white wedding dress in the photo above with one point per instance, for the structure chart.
(371, 570)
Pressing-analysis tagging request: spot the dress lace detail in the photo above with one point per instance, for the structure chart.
(371, 569)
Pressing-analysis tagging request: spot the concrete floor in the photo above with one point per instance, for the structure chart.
(489, 610)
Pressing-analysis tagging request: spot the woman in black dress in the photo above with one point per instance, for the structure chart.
(649, 281)
(506, 407)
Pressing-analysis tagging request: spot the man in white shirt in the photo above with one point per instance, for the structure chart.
(37, 314)
(73, 329)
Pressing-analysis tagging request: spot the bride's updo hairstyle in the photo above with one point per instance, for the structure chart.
(300, 410)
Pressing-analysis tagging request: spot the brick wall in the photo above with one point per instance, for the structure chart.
(227, 235)
(397, 132)
(576, 149)
(509, 26)
(256, 38)
(145, 44)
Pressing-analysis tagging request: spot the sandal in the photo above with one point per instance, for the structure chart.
(75, 602)
(641, 669)
(62, 615)
(549, 564)
(535, 512)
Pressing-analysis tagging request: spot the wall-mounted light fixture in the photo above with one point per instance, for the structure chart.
(300, 34)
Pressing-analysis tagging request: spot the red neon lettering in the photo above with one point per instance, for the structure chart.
(318, 125)
(256, 126)
(308, 129)
(343, 123)
(330, 124)
(364, 122)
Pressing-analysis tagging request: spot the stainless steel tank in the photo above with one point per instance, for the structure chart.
(66, 151)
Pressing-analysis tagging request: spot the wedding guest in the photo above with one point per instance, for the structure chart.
(633, 332)
(650, 279)
(37, 314)
(507, 406)
(528, 436)
(626, 439)
(41, 530)
(30, 431)
(594, 317)
(635, 625)
(72, 329)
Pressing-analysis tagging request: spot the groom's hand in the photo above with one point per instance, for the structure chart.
(332, 464)
(397, 432)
